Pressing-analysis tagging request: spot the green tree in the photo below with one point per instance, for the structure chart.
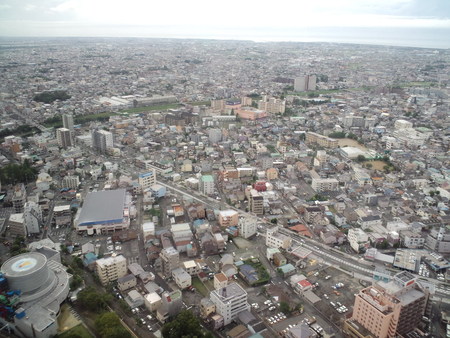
(360, 158)
(184, 325)
(93, 300)
(108, 325)
(284, 307)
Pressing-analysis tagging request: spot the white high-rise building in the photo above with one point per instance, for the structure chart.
(32, 217)
(110, 269)
(67, 120)
(247, 226)
(207, 184)
(102, 140)
(230, 301)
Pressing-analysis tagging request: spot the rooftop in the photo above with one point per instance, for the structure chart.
(103, 207)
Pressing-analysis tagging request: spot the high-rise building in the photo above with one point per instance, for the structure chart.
(102, 140)
(230, 301)
(272, 105)
(305, 83)
(64, 137)
(32, 216)
(67, 120)
(19, 197)
(207, 184)
(110, 269)
(247, 226)
(146, 180)
(388, 309)
(256, 204)
(170, 259)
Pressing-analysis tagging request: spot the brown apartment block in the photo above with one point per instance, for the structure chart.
(391, 309)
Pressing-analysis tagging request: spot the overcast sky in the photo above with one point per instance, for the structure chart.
(207, 18)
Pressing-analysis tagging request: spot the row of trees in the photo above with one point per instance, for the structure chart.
(17, 173)
(23, 130)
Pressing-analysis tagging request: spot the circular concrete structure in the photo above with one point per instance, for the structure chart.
(26, 272)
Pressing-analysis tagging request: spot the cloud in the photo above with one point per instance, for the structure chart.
(66, 6)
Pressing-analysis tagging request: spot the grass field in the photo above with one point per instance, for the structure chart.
(197, 283)
(77, 331)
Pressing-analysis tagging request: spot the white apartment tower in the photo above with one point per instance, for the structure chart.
(247, 226)
(230, 301)
(110, 269)
(32, 217)
(67, 120)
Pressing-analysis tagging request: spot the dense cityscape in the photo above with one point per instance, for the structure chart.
(206, 188)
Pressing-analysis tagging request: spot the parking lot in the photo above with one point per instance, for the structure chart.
(336, 290)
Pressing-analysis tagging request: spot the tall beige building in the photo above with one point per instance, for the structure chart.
(305, 83)
(110, 269)
(64, 137)
(388, 309)
(256, 203)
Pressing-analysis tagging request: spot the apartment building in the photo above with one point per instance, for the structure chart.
(389, 309)
(64, 137)
(228, 218)
(439, 240)
(146, 180)
(32, 216)
(357, 238)
(110, 269)
(256, 202)
(19, 197)
(67, 120)
(170, 259)
(274, 239)
(70, 181)
(321, 140)
(181, 278)
(102, 140)
(230, 301)
(325, 184)
(272, 105)
(305, 83)
(247, 226)
(207, 185)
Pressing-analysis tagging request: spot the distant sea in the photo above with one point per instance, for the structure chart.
(438, 38)
(405, 37)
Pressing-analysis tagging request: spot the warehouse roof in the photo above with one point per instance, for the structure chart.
(105, 206)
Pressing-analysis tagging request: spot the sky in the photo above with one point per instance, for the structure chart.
(259, 20)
